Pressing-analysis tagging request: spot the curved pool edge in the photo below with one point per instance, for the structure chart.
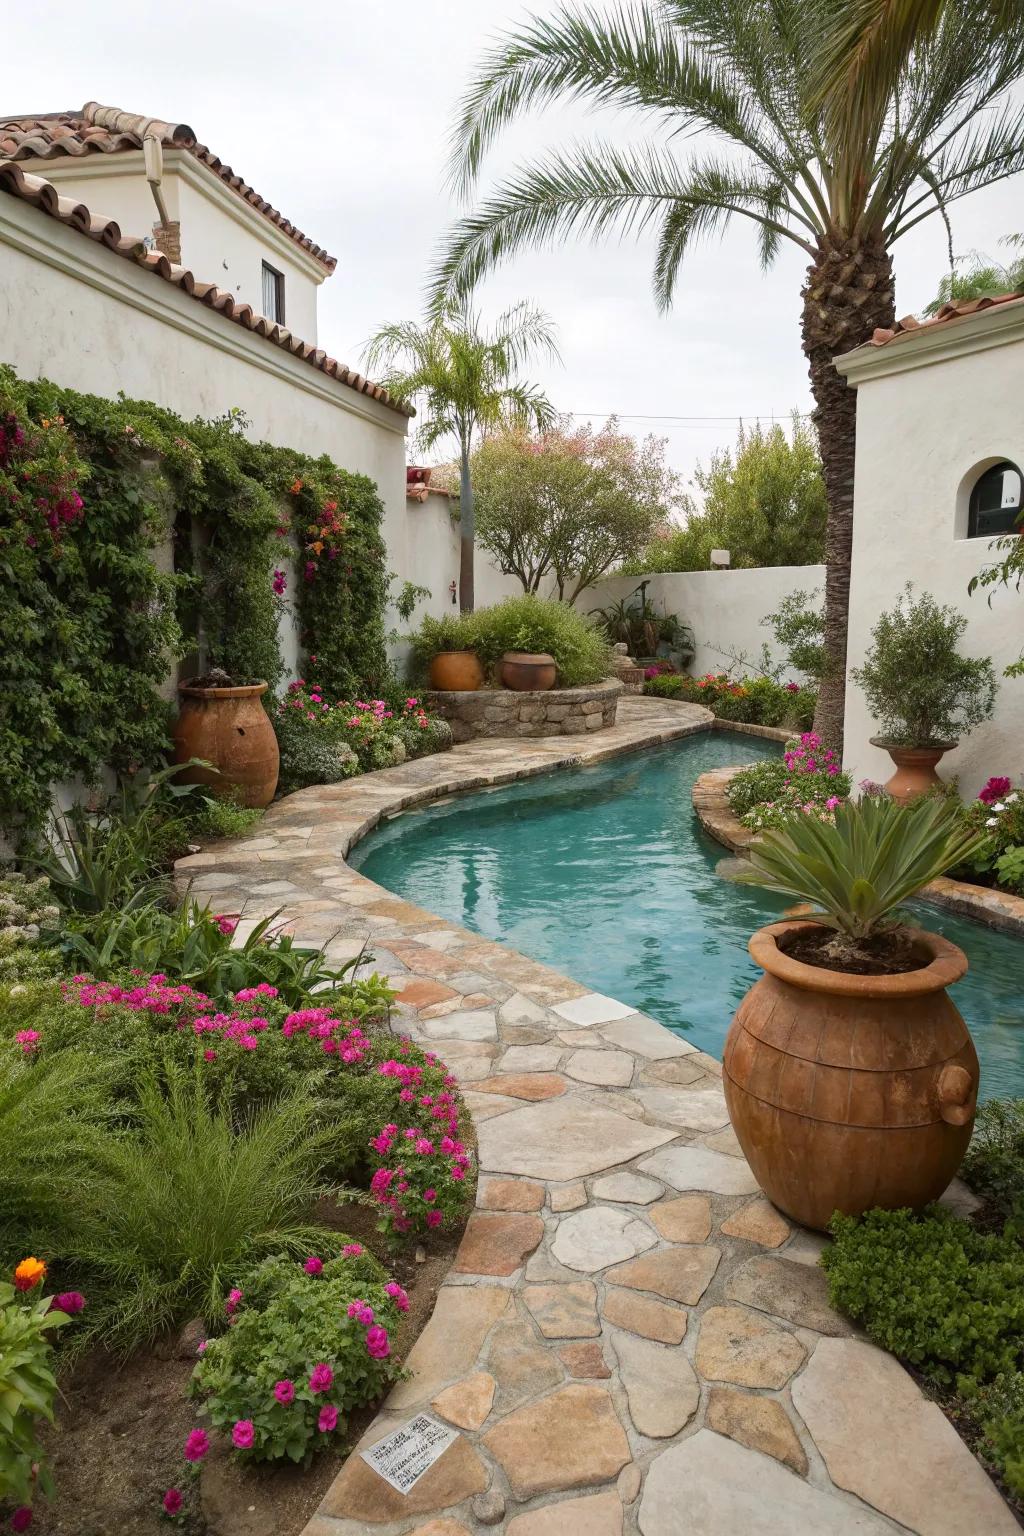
(584, 1110)
(994, 909)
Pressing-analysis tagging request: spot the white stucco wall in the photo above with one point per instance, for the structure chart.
(223, 239)
(723, 608)
(933, 411)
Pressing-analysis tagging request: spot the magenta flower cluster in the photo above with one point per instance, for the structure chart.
(997, 788)
(367, 718)
(422, 1158)
(811, 756)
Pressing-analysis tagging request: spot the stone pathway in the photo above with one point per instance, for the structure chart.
(632, 1339)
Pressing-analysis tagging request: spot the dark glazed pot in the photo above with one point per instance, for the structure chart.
(230, 728)
(847, 1092)
(456, 672)
(528, 671)
(915, 768)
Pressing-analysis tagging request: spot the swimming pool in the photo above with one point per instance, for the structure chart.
(605, 873)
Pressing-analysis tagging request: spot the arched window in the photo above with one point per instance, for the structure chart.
(995, 502)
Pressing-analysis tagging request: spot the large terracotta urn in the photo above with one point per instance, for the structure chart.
(456, 672)
(848, 1092)
(230, 729)
(528, 671)
(915, 768)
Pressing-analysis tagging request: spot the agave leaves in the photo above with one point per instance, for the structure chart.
(855, 873)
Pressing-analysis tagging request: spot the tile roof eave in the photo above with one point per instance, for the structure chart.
(44, 196)
(957, 309)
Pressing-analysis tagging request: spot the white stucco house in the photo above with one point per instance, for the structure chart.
(940, 458)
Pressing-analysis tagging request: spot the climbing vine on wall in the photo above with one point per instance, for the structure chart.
(94, 618)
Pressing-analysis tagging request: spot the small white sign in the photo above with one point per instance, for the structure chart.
(402, 1458)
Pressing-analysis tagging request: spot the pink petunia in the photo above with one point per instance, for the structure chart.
(313, 1265)
(231, 1305)
(328, 1419)
(172, 1502)
(434, 1218)
(243, 1434)
(352, 1250)
(321, 1378)
(22, 1518)
(71, 1302)
(378, 1346)
(284, 1391)
(197, 1445)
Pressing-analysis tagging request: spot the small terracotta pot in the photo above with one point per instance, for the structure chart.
(915, 768)
(848, 1092)
(456, 672)
(230, 728)
(528, 671)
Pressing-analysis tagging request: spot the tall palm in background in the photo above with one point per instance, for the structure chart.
(746, 75)
(464, 380)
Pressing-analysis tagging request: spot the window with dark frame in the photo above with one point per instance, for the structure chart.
(995, 502)
(273, 293)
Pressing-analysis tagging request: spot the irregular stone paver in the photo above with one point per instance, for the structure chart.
(593, 1238)
(585, 1359)
(571, 1439)
(882, 1439)
(468, 1403)
(727, 1490)
(744, 1348)
(680, 1274)
(535, 1086)
(697, 1168)
(760, 1423)
(564, 1311)
(686, 1219)
(598, 1515)
(758, 1222)
(612, 1069)
(564, 1139)
(795, 1292)
(510, 1195)
(661, 1385)
(645, 1316)
(629, 1188)
(495, 1019)
(497, 1242)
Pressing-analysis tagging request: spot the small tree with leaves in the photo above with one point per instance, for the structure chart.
(566, 505)
(463, 379)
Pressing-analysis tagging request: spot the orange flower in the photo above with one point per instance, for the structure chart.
(317, 547)
(29, 1273)
(295, 487)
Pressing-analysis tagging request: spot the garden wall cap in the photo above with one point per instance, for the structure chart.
(957, 309)
(97, 129)
(44, 195)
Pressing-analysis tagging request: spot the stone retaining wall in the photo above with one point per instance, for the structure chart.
(503, 712)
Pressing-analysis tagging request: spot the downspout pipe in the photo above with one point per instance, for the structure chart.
(153, 132)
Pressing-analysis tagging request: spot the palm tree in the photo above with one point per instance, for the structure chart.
(746, 73)
(463, 378)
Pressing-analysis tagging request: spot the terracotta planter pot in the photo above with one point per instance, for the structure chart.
(528, 671)
(230, 728)
(915, 768)
(456, 672)
(847, 1092)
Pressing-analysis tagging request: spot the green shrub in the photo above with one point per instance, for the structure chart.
(932, 1290)
(170, 1210)
(671, 685)
(27, 1386)
(452, 632)
(288, 1322)
(997, 1412)
(221, 816)
(322, 743)
(526, 623)
(918, 687)
(756, 784)
(994, 1162)
(798, 626)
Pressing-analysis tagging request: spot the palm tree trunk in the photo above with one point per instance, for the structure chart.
(848, 293)
(467, 533)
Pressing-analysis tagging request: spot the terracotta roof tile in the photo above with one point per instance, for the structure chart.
(107, 130)
(44, 196)
(957, 309)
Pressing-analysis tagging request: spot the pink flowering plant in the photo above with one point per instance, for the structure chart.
(423, 1180)
(324, 739)
(308, 1344)
(998, 814)
(806, 781)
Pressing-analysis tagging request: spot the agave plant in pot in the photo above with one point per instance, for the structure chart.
(850, 1076)
(919, 688)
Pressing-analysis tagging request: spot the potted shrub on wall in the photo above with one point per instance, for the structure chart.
(850, 1076)
(531, 643)
(445, 649)
(921, 690)
(223, 722)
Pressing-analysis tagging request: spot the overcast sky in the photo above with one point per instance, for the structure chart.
(338, 113)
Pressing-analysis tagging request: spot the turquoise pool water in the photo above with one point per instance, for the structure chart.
(604, 873)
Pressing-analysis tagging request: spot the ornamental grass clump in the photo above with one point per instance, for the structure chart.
(919, 688)
(855, 869)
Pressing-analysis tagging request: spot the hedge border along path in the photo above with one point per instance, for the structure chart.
(631, 1338)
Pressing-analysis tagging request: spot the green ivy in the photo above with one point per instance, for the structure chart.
(91, 626)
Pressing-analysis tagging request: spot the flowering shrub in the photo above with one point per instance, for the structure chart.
(27, 1384)
(306, 1346)
(24, 906)
(808, 781)
(998, 812)
(751, 700)
(421, 1180)
(323, 742)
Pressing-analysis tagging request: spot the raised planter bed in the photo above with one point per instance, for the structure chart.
(503, 712)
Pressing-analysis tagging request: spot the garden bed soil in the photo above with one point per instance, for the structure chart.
(887, 954)
(117, 1444)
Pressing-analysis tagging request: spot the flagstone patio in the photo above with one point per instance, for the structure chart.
(632, 1339)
